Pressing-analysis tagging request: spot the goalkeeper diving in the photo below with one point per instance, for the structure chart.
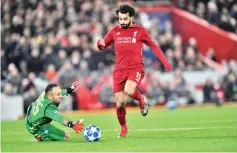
(45, 109)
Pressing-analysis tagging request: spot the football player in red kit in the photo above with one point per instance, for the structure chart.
(129, 69)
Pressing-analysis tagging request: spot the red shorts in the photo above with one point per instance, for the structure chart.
(121, 76)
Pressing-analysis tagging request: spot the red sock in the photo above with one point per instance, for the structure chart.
(137, 95)
(121, 113)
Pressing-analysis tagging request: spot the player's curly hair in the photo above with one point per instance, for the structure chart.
(125, 8)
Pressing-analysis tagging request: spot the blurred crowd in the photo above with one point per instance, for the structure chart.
(55, 41)
(222, 13)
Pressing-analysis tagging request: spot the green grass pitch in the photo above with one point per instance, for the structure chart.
(197, 129)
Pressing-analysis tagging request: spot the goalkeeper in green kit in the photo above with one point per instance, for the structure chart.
(45, 109)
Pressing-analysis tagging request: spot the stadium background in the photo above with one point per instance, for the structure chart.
(46, 41)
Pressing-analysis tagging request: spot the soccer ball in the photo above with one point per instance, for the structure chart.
(92, 133)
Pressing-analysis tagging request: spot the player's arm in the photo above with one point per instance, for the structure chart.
(72, 89)
(156, 50)
(106, 41)
(52, 112)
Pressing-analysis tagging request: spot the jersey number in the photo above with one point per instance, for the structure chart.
(37, 104)
(138, 76)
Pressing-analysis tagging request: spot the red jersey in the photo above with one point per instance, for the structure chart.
(128, 46)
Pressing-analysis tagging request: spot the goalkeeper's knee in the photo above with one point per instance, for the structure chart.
(38, 138)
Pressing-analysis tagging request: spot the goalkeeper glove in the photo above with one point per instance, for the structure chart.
(76, 126)
(74, 87)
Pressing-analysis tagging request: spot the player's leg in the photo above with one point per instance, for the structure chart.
(121, 99)
(120, 108)
(131, 90)
(49, 132)
(36, 135)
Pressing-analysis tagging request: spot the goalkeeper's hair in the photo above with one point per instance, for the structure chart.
(50, 87)
(124, 9)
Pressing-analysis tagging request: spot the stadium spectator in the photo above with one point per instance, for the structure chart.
(34, 62)
(201, 9)
(106, 92)
(9, 90)
(192, 42)
(75, 59)
(83, 70)
(217, 12)
(231, 87)
(50, 57)
(39, 81)
(213, 15)
(3, 65)
(67, 74)
(209, 92)
(155, 92)
(29, 96)
(12, 54)
(233, 11)
(14, 77)
(62, 57)
(211, 54)
(190, 58)
(51, 74)
(179, 90)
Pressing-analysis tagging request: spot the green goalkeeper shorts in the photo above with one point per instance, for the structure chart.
(48, 132)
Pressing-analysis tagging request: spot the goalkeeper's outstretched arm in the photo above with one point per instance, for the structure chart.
(53, 113)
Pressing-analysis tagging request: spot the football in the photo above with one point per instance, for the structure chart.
(92, 133)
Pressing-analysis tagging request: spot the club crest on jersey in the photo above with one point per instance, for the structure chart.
(134, 33)
(134, 37)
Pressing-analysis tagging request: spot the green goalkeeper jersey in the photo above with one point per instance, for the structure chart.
(43, 111)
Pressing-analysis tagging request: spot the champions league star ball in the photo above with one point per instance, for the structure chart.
(92, 133)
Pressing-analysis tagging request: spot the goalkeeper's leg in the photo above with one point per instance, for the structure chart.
(49, 132)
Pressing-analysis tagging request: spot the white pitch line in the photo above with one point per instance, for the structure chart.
(152, 129)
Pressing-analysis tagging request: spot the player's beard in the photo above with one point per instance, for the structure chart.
(58, 100)
(125, 26)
